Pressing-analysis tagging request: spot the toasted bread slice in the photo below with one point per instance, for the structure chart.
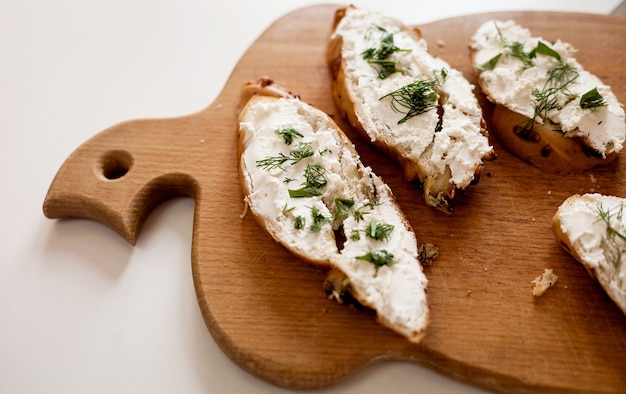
(548, 110)
(592, 228)
(413, 106)
(305, 184)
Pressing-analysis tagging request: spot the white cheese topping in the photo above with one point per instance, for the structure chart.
(396, 291)
(512, 85)
(595, 226)
(458, 144)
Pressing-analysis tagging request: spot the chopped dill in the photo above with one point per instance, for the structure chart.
(344, 205)
(378, 257)
(490, 64)
(517, 50)
(416, 98)
(288, 133)
(606, 215)
(592, 100)
(359, 213)
(609, 216)
(299, 222)
(379, 231)
(315, 181)
(380, 56)
(558, 79)
(302, 151)
(318, 219)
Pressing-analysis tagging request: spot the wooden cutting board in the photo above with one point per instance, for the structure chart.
(267, 309)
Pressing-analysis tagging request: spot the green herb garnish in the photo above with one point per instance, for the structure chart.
(302, 151)
(378, 258)
(298, 222)
(322, 152)
(359, 213)
(344, 205)
(560, 76)
(380, 56)
(558, 79)
(543, 49)
(315, 181)
(379, 231)
(318, 220)
(517, 50)
(288, 133)
(592, 100)
(606, 216)
(546, 100)
(416, 98)
(314, 175)
(490, 64)
(304, 192)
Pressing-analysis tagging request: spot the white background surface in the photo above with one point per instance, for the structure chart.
(81, 310)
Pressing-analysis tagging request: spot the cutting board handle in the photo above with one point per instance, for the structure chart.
(120, 174)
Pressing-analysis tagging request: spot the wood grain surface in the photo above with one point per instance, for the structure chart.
(267, 310)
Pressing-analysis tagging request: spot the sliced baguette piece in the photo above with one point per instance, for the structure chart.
(443, 147)
(552, 132)
(328, 208)
(592, 228)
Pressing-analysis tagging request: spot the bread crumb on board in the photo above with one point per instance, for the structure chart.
(543, 282)
(427, 253)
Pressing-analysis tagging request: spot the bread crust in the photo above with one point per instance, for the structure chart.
(563, 240)
(544, 145)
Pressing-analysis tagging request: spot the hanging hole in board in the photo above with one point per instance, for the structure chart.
(114, 164)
